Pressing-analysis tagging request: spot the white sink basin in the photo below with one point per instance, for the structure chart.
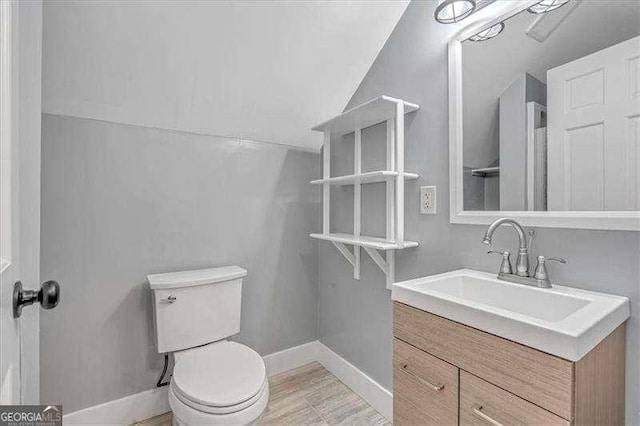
(563, 321)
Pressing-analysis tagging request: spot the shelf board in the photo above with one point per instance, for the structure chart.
(365, 115)
(371, 242)
(368, 177)
(486, 171)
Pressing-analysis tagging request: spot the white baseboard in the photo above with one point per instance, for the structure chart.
(291, 358)
(371, 391)
(123, 411)
(147, 404)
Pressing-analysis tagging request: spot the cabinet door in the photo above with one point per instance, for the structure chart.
(425, 388)
(482, 404)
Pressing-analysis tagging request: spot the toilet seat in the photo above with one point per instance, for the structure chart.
(220, 380)
(215, 409)
(184, 415)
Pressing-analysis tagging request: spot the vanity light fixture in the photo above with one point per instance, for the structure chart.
(489, 33)
(547, 6)
(452, 11)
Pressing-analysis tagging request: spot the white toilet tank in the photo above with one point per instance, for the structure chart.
(193, 308)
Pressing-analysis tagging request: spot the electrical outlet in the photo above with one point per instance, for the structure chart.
(427, 200)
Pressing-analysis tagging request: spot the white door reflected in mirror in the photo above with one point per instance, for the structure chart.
(593, 130)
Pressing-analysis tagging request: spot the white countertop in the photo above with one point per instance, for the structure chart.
(562, 321)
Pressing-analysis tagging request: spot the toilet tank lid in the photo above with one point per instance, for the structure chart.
(196, 277)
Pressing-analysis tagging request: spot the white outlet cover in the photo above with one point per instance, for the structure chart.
(428, 200)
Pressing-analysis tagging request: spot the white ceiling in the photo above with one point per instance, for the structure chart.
(260, 70)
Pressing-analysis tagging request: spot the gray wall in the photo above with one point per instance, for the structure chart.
(356, 316)
(120, 202)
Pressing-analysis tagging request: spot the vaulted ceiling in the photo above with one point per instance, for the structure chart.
(260, 70)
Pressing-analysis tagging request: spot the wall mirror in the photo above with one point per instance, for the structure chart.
(545, 115)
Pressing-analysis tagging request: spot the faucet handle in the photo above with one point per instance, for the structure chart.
(541, 269)
(555, 259)
(505, 266)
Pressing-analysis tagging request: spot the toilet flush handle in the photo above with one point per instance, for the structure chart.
(170, 299)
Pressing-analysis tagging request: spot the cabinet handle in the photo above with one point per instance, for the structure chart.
(421, 380)
(477, 410)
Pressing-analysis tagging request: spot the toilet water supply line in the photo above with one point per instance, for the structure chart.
(164, 371)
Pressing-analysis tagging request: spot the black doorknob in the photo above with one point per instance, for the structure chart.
(48, 296)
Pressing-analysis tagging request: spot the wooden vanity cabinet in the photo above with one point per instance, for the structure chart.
(488, 380)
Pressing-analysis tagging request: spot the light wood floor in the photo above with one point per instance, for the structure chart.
(304, 396)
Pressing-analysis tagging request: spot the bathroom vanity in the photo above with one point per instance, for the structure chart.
(471, 349)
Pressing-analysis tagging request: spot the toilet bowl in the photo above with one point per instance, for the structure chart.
(220, 383)
(214, 381)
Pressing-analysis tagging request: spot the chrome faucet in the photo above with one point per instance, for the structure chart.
(522, 276)
(522, 263)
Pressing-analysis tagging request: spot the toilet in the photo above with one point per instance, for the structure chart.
(214, 381)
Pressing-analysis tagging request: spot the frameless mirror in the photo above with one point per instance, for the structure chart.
(550, 110)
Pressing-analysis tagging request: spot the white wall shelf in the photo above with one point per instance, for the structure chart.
(369, 177)
(365, 115)
(380, 110)
(362, 241)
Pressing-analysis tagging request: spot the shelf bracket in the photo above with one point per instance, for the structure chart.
(387, 266)
(346, 253)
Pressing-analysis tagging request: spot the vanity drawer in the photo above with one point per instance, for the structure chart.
(482, 404)
(536, 376)
(425, 388)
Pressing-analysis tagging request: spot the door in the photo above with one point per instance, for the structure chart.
(594, 131)
(20, 32)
